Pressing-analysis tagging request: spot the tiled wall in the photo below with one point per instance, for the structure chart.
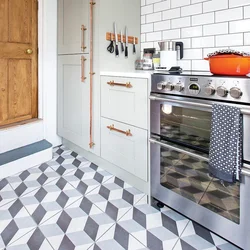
(202, 25)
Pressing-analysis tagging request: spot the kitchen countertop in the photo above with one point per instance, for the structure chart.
(133, 73)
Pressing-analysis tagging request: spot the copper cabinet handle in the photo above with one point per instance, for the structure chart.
(83, 78)
(83, 29)
(112, 128)
(127, 85)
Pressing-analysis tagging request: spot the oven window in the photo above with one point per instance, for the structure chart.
(187, 127)
(189, 177)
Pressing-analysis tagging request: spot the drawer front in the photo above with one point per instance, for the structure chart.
(125, 100)
(127, 151)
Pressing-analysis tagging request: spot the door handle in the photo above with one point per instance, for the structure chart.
(83, 29)
(29, 51)
(83, 78)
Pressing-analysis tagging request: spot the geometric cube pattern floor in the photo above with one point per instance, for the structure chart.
(71, 204)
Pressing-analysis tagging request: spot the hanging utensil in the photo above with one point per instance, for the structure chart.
(134, 50)
(126, 46)
(110, 48)
(122, 46)
(116, 41)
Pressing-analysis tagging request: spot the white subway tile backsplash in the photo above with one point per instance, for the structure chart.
(165, 5)
(181, 22)
(163, 25)
(229, 15)
(192, 54)
(203, 42)
(153, 36)
(170, 14)
(203, 19)
(203, 26)
(147, 28)
(247, 11)
(215, 5)
(236, 3)
(171, 34)
(229, 40)
(190, 10)
(155, 17)
(179, 3)
(147, 9)
(215, 29)
(239, 26)
(247, 38)
(191, 32)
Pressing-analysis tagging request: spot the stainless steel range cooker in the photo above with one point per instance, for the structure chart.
(180, 137)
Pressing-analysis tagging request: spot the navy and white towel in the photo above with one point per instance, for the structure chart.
(226, 144)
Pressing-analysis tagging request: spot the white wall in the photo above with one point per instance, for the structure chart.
(48, 67)
(203, 25)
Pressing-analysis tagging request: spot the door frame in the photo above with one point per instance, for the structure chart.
(47, 69)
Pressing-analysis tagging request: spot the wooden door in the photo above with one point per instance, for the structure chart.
(18, 61)
(73, 26)
(74, 99)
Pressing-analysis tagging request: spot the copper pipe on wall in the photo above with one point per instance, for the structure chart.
(91, 143)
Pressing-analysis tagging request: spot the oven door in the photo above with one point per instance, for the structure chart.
(180, 132)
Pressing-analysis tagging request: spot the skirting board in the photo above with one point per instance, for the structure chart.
(113, 169)
(25, 163)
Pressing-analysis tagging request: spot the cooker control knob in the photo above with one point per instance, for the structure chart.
(161, 85)
(222, 91)
(235, 93)
(209, 90)
(169, 86)
(178, 87)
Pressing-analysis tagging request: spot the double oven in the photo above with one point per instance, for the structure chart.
(180, 117)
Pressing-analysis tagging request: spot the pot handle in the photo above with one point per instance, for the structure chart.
(206, 58)
(181, 48)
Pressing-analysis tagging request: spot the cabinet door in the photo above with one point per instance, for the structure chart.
(73, 99)
(72, 16)
(125, 103)
(128, 152)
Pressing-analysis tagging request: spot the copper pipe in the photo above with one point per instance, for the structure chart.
(112, 128)
(127, 85)
(83, 28)
(83, 78)
(91, 143)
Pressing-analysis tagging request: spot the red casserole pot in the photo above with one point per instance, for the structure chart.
(232, 65)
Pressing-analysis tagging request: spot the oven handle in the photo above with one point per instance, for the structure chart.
(245, 170)
(193, 104)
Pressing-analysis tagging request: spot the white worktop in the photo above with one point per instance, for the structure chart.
(132, 73)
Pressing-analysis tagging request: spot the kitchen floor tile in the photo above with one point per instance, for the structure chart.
(7, 194)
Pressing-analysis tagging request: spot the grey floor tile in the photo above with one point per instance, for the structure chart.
(33, 240)
(155, 229)
(76, 227)
(15, 222)
(119, 239)
(45, 202)
(115, 197)
(196, 237)
(7, 194)
(87, 177)
(32, 179)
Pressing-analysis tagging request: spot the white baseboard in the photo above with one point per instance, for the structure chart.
(25, 163)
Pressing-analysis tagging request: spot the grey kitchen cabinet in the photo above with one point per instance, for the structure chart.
(73, 26)
(73, 99)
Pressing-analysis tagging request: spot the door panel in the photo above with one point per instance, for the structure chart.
(72, 15)
(3, 90)
(19, 94)
(18, 83)
(3, 20)
(73, 99)
(20, 21)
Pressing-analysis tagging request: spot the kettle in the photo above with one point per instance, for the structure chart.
(169, 53)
